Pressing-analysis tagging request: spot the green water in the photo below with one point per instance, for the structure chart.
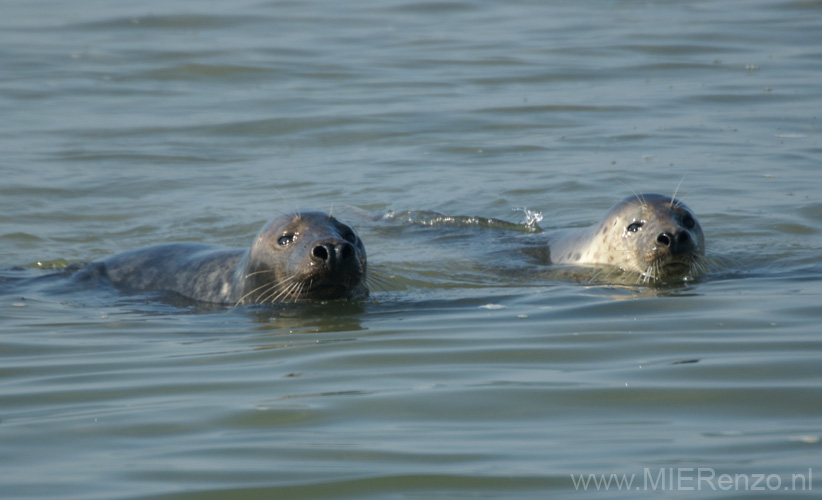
(472, 372)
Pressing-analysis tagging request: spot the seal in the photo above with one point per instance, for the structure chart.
(653, 235)
(308, 255)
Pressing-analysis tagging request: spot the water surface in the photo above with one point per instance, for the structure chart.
(140, 123)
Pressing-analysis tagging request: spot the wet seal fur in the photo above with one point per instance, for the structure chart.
(309, 255)
(653, 235)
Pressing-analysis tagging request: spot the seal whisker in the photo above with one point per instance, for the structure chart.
(636, 195)
(272, 289)
(277, 285)
(275, 293)
(269, 286)
(652, 272)
(262, 297)
(377, 281)
(723, 262)
(295, 290)
(256, 301)
(241, 299)
(271, 295)
(285, 199)
(255, 273)
(279, 290)
(698, 268)
(673, 196)
(280, 293)
(300, 291)
(702, 263)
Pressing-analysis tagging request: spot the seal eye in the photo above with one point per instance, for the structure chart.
(349, 236)
(689, 222)
(285, 240)
(635, 226)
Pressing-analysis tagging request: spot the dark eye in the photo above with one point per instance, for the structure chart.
(635, 226)
(688, 222)
(285, 240)
(349, 236)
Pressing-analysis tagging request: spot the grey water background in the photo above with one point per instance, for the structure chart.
(471, 373)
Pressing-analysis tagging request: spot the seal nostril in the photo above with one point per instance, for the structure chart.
(682, 237)
(346, 252)
(320, 252)
(664, 239)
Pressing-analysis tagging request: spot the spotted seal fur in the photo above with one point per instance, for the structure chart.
(654, 235)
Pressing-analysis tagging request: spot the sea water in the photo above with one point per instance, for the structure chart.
(472, 372)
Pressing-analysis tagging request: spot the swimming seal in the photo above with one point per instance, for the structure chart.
(309, 255)
(653, 235)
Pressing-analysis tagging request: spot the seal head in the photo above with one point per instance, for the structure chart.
(651, 234)
(309, 255)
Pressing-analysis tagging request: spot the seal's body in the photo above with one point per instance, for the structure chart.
(309, 255)
(654, 235)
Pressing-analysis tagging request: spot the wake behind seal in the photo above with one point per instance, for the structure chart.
(303, 256)
(654, 235)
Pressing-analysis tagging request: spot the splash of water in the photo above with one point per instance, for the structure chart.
(532, 218)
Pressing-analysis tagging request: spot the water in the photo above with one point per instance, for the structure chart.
(474, 373)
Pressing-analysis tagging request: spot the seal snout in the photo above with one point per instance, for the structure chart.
(677, 242)
(332, 253)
